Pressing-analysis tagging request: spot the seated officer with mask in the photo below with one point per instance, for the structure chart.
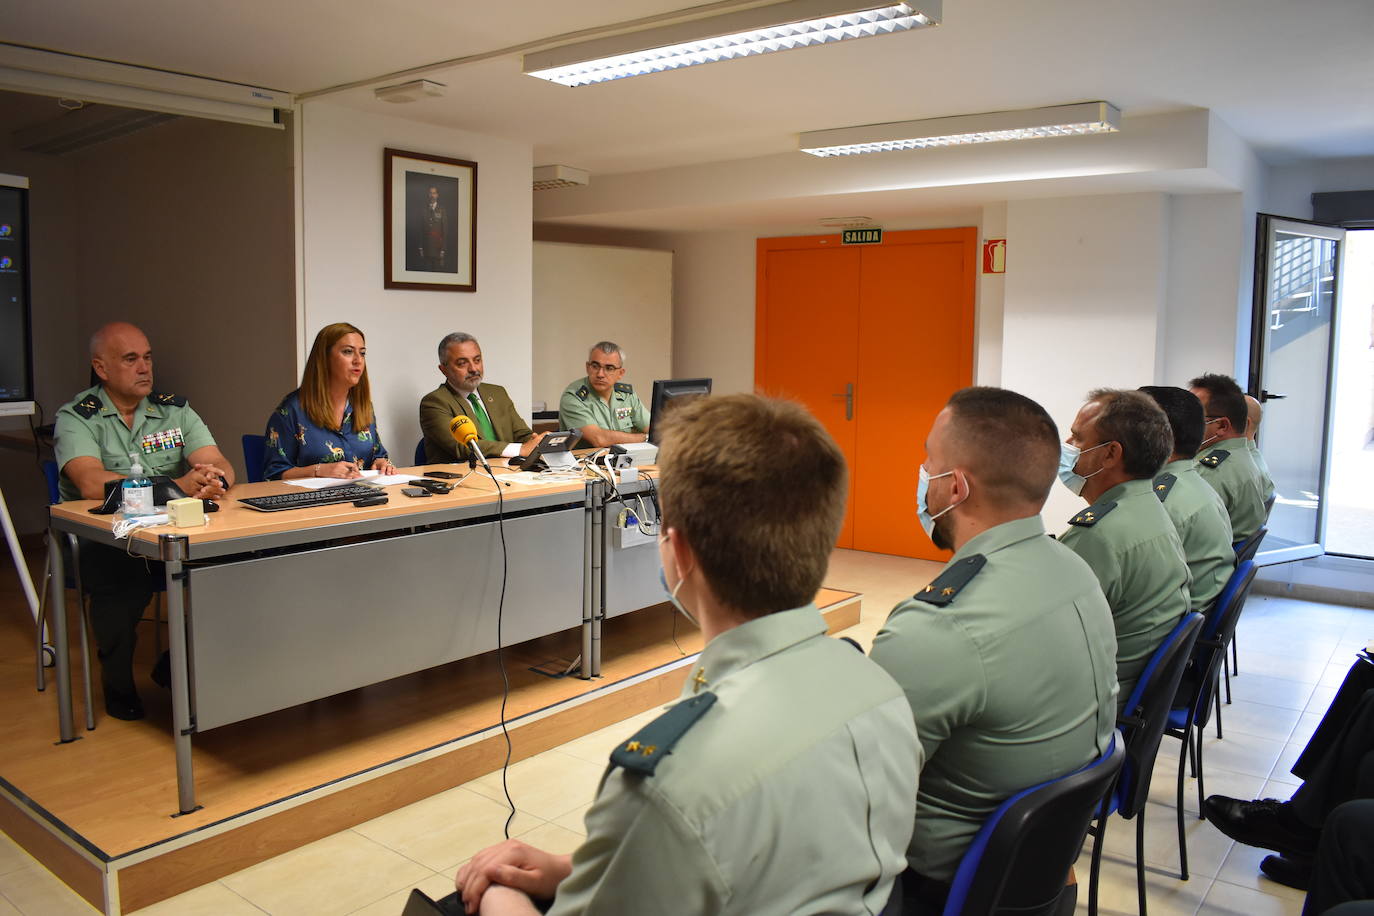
(1008, 658)
(96, 432)
(784, 779)
(1204, 528)
(1254, 413)
(1117, 444)
(1227, 463)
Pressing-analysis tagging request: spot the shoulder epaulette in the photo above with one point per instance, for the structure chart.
(89, 406)
(167, 400)
(1163, 484)
(624, 388)
(1215, 458)
(582, 393)
(656, 740)
(949, 583)
(1093, 514)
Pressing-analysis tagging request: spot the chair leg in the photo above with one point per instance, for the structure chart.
(84, 623)
(1235, 659)
(1216, 704)
(1183, 751)
(1226, 673)
(1099, 836)
(1140, 859)
(1201, 790)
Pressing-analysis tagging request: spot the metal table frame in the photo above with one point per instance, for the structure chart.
(175, 550)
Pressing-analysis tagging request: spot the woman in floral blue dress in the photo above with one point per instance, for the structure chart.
(327, 428)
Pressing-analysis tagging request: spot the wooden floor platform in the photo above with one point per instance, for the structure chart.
(100, 812)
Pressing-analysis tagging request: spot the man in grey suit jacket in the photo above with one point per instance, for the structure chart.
(502, 432)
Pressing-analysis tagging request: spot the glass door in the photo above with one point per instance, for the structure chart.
(1297, 268)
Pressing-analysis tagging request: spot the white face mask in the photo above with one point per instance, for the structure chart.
(1206, 424)
(1068, 460)
(672, 592)
(922, 510)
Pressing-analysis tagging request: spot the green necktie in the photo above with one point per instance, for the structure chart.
(479, 414)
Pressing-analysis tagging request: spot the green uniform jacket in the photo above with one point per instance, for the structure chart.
(1133, 547)
(1204, 528)
(1266, 481)
(793, 793)
(165, 433)
(1229, 466)
(440, 406)
(580, 405)
(1011, 678)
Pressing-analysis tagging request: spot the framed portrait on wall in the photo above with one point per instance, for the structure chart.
(430, 214)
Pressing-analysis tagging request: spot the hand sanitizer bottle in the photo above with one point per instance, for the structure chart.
(138, 491)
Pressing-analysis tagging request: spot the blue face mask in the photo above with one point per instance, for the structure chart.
(672, 596)
(922, 510)
(1068, 460)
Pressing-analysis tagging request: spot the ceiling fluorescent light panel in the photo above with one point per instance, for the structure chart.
(961, 130)
(744, 33)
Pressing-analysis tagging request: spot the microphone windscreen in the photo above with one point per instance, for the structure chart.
(463, 429)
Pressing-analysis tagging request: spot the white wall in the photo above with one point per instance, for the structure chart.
(341, 225)
(1085, 301)
(586, 293)
(1289, 188)
(1207, 258)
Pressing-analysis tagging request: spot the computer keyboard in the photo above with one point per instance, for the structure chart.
(304, 499)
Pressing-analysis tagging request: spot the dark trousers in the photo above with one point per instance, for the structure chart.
(1338, 763)
(120, 587)
(1344, 867)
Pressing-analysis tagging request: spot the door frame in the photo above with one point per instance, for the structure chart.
(1265, 225)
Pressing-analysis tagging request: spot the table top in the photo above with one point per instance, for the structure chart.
(232, 528)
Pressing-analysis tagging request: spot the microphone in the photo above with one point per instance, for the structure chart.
(464, 432)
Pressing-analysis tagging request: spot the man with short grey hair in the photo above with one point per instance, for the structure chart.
(606, 409)
(501, 431)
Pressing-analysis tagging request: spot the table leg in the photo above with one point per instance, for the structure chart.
(57, 625)
(588, 605)
(598, 572)
(173, 553)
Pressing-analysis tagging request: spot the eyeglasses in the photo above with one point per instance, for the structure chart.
(594, 366)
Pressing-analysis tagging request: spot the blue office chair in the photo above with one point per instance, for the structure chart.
(1020, 857)
(420, 453)
(1142, 723)
(253, 451)
(44, 653)
(1245, 550)
(1199, 688)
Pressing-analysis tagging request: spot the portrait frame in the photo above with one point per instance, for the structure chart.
(429, 215)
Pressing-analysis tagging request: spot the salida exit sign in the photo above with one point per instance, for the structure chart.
(861, 237)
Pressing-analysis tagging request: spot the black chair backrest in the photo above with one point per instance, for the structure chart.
(1247, 548)
(1198, 687)
(1146, 712)
(1021, 856)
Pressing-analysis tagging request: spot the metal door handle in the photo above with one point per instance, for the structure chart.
(1266, 396)
(848, 396)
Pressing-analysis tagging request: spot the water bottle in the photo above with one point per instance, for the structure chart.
(138, 491)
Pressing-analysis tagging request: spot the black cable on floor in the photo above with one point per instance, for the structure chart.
(500, 656)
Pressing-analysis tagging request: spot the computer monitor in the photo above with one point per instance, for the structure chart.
(669, 394)
(16, 365)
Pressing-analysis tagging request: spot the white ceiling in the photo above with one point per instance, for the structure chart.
(1291, 77)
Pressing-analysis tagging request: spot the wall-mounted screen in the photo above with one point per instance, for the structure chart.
(16, 348)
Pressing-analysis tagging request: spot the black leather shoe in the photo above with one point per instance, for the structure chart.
(1265, 823)
(162, 671)
(1288, 872)
(123, 705)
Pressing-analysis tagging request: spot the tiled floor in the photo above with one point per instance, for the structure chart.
(1293, 654)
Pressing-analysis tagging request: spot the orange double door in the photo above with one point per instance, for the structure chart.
(873, 339)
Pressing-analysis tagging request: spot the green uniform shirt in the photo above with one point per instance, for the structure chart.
(580, 406)
(165, 432)
(1133, 547)
(1230, 468)
(1011, 679)
(793, 793)
(1266, 481)
(1204, 528)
